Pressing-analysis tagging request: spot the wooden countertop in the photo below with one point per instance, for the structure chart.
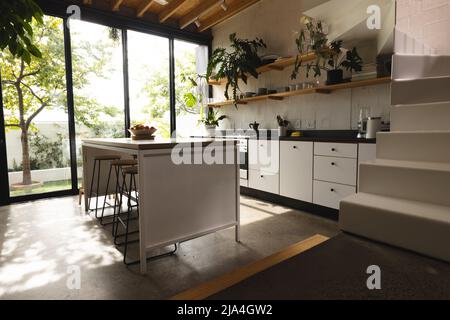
(158, 143)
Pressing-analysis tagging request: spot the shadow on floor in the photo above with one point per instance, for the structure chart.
(46, 241)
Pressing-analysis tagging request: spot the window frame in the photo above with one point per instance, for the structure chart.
(58, 9)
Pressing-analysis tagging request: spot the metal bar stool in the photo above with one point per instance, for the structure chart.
(117, 165)
(131, 172)
(99, 160)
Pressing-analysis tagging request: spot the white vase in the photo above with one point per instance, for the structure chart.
(211, 130)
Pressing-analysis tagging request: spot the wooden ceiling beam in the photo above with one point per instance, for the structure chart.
(170, 9)
(142, 9)
(205, 7)
(232, 10)
(116, 5)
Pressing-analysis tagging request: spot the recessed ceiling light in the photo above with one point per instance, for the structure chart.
(162, 2)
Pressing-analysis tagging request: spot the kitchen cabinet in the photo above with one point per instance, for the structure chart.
(296, 170)
(335, 172)
(264, 165)
(342, 150)
(334, 169)
(329, 195)
(264, 155)
(322, 173)
(264, 181)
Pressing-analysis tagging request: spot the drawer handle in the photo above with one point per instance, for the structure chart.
(333, 164)
(333, 150)
(332, 190)
(295, 147)
(262, 177)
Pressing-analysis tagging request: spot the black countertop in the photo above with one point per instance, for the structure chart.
(329, 139)
(338, 136)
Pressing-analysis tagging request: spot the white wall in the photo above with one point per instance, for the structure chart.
(427, 22)
(48, 129)
(277, 24)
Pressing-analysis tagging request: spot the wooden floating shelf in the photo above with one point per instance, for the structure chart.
(321, 89)
(278, 65)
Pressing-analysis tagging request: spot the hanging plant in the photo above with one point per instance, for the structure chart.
(329, 56)
(239, 63)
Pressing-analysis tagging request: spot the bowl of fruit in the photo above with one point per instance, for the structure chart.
(141, 130)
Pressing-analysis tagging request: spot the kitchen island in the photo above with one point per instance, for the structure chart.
(187, 188)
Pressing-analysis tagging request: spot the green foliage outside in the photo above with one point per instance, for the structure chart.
(16, 28)
(30, 88)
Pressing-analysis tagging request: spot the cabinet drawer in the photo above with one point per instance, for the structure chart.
(296, 170)
(264, 155)
(244, 183)
(264, 181)
(339, 170)
(346, 150)
(330, 194)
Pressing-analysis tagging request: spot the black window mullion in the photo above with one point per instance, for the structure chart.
(173, 115)
(4, 181)
(70, 106)
(126, 82)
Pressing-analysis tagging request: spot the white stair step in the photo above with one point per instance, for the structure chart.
(433, 146)
(421, 117)
(412, 225)
(408, 67)
(420, 181)
(417, 91)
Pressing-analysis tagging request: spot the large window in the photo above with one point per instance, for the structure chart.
(45, 127)
(97, 83)
(36, 118)
(190, 64)
(148, 65)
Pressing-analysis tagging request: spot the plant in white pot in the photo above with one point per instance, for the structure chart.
(329, 56)
(282, 126)
(211, 121)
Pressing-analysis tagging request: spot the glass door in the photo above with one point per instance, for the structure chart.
(149, 77)
(97, 68)
(36, 117)
(191, 87)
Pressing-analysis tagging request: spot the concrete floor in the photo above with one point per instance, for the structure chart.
(43, 242)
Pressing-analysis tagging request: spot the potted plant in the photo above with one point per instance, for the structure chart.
(196, 97)
(282, 126)
(330, 56)
(211, 121)
(242, 60)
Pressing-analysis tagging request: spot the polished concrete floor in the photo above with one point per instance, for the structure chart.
(45, 244)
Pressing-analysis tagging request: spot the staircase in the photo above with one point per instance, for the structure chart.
(404, 195)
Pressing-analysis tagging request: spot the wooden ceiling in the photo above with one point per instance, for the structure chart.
(198, 14)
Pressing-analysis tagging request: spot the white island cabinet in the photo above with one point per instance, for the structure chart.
(177, 201)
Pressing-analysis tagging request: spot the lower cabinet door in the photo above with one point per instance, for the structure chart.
(263, 181)
(329, 195)
(296, 170)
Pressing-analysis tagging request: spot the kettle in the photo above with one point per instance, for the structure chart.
(373, 126)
